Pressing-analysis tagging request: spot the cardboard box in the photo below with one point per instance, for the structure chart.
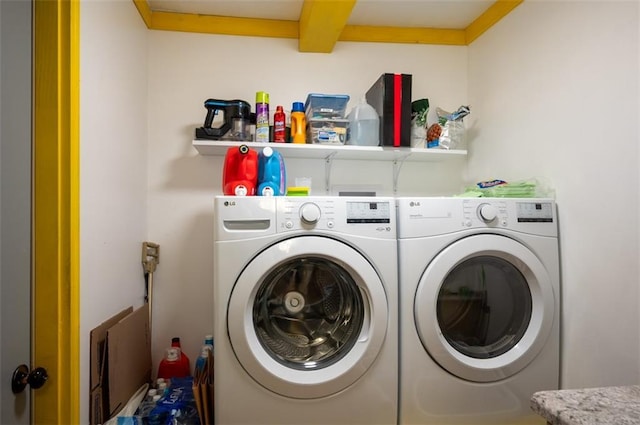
(390, 96)
(120, 361)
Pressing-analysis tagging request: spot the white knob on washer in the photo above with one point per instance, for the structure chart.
(310, 213)
(487, 212)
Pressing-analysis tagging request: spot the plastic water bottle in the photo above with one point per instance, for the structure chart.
(364, 125)
(207, 348)
(208, 340)
(163, 389)
(147, 405)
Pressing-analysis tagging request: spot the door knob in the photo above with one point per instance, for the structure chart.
(21, 377)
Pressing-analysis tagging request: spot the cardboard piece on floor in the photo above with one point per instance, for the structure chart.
(126, 361)
(129, 357)
(98, 356)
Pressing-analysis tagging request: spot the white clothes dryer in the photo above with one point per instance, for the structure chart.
(479, 308)
(306, 312)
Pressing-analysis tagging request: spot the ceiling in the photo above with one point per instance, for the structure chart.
(320, 24)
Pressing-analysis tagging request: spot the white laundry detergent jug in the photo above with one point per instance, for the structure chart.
(364, 125)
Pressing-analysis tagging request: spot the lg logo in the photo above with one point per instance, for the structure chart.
(414, 203)
(229, 203)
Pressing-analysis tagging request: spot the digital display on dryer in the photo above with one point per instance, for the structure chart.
(534, 212)
(368, 212)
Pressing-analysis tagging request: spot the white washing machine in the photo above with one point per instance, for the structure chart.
(479, 308)
(306, 310)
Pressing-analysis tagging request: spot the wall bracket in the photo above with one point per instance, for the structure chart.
(328, 162)
(397, 166)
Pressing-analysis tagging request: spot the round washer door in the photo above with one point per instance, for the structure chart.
(307, 317)
(484, 307)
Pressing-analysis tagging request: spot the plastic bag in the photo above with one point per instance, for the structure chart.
(419, 111)
(529, 188)
(452, 133)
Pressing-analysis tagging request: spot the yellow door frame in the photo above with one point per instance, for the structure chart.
(55, 219)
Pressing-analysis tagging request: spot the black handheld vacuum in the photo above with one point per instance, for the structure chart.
(236, 119)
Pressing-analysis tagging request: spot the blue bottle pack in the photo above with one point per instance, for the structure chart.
(272, 177)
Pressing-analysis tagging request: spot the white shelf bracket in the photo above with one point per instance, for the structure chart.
(397, 166)
(328, 162)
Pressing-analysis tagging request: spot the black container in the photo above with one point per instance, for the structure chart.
(390, 96)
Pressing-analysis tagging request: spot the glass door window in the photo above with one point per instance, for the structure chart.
(308, 313)
(484, 307)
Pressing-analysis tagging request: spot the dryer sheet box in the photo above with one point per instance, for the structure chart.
(390, 96)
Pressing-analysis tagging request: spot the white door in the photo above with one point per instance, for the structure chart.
(15, 204)
(484, 307)
(307, 317)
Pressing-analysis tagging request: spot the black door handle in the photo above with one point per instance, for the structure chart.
(21, 377)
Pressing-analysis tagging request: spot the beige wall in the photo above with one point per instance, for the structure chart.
(113, 167)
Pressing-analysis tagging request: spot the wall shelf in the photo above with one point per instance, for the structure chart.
(329, 152)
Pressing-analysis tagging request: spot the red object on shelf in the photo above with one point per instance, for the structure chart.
(240, 173)
(279, 125)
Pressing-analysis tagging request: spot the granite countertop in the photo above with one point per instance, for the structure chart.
(590, 406)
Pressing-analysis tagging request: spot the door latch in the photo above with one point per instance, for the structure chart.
(22, 377)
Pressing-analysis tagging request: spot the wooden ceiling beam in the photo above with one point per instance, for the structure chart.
(321, 24)
(489, 18)
(211, 24)
(376, 34)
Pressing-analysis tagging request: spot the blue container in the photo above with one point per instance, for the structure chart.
(272, 177)
(320, 106)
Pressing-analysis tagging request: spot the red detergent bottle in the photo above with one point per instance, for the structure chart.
(240, 173)
(186, 364)
(172, 366)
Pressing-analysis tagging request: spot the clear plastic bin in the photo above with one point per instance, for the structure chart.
(327, 131)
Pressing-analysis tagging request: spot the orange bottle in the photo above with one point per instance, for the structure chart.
(298, 123)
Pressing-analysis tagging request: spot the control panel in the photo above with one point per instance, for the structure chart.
(352, 215)
(534, 212)
(436, 216)
(478, 212)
